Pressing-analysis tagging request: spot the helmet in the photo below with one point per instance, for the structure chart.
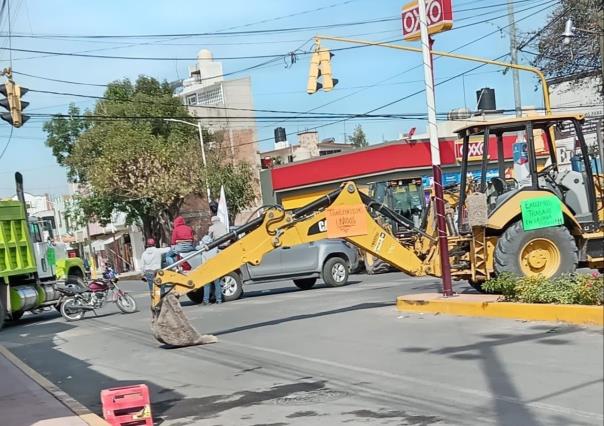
(150, 242)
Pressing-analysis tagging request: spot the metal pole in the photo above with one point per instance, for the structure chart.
(426, 42)
(536, 71)
(514, 56)
(203, 157)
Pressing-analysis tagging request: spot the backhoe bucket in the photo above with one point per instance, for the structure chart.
(171, 327)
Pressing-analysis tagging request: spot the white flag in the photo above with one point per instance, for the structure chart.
(223, 211)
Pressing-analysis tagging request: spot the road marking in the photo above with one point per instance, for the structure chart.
(429, 384)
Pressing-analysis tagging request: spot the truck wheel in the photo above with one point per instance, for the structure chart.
(232, 287)
(549, 252)
(16, 316)
(2, 315)
(335, 272)
(76, 281)
(305, 283)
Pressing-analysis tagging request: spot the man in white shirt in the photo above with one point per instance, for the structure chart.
(151, 261)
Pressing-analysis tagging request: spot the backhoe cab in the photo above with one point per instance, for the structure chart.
(547, 222)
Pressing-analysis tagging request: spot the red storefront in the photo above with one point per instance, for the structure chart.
(297, 183)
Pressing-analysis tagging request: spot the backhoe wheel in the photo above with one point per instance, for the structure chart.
(335, 272)
(548, 252)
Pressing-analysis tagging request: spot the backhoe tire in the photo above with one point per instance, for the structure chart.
(335, 272)
(305, 283)
(549, 252)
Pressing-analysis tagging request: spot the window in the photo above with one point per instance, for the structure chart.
(191, 99)
(211, 95)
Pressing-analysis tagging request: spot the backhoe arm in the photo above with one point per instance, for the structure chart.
(340, 214)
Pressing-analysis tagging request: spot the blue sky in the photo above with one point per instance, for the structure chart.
(391, 74)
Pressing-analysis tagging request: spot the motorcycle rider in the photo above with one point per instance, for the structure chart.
(151, 261)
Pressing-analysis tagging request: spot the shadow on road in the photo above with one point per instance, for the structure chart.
(77, 377)
(509, 405)
(358, 307)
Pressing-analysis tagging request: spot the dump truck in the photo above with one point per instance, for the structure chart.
(548, 222)
(31, 269)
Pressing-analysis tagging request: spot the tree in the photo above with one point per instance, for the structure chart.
(236, 177)
(128, 157)
(358, 138)
(582, 54)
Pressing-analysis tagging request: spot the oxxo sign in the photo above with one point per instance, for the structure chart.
(475, 147)
(439, 14)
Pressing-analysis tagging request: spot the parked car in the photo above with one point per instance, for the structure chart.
(330, 260)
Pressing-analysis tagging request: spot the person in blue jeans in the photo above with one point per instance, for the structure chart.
(216, 285)
(182, 240)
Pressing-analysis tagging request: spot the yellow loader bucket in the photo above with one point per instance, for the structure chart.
(171, 327)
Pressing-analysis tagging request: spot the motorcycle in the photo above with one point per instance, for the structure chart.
(77, 301)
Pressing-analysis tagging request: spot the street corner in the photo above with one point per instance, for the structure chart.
(485, 305)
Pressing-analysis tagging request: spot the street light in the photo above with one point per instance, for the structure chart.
(203, 151)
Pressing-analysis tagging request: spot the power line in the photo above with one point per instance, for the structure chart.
(10, 137)
(420, 65)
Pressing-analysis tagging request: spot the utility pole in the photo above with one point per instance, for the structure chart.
(514, 56)
(443, 244)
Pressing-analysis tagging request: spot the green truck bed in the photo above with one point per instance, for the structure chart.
(16, 257)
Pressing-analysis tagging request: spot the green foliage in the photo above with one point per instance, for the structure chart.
(580, 289)
(139, 163)
(358, 138)
(237, 179)
(504, 284)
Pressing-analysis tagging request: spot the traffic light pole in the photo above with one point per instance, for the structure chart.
(443, 244)
(536, 71)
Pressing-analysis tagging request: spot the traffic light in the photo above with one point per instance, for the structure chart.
(320, 66)
(13, 104)
(314, 73)
(328, 80)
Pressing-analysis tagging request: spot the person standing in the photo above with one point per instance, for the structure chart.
(216, 285)
(151, 261)
(217, 229)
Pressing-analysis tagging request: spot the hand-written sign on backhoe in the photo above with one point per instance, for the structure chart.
(541, 212)
(346, 221)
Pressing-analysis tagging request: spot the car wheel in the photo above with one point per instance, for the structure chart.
(305, 283)
(232, 287)
(196, 296)
(335, 272)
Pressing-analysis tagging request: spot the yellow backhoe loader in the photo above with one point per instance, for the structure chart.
(548, 223)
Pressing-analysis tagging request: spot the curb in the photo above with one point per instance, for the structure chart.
(478, 305)
(78, 409)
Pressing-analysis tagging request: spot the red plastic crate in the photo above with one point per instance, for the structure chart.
(127, 406)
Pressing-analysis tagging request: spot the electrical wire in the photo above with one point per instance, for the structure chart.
(10, 137)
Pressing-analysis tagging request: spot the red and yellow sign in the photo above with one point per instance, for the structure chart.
(346, 221)
(439, 14)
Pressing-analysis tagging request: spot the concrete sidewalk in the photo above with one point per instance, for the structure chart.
(27, 398)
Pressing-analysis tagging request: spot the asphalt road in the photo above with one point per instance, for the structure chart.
(327, 356)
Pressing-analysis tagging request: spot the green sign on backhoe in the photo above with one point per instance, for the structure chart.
(541, 212)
